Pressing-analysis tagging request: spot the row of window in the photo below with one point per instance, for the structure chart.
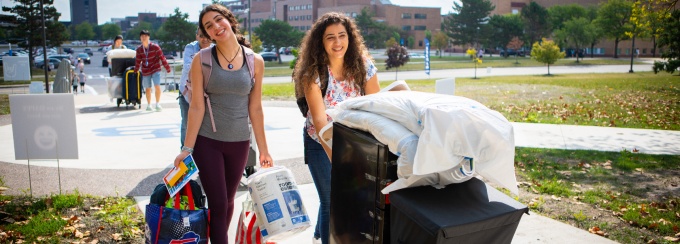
(415, 16)
(302, 28)
(256, 20)
(299, 7)
(300, 17)
(416, 27)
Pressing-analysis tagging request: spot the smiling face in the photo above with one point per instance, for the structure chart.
(144, 39)
(217, 26)
(203, 41)
(335, 41)
(118, 43)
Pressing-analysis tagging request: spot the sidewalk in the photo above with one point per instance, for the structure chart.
(125, 152)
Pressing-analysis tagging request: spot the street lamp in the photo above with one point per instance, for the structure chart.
(250, 22)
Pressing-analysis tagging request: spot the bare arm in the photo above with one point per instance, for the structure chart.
(372, 85)
(257, 116)
(196, 109)
(318, 109)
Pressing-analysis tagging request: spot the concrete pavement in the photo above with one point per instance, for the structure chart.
(126, 152)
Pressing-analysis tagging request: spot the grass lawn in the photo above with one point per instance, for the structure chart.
(638, 100)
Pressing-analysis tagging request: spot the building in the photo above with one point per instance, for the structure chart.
(84, 10)
(603, 48)
(301, 14)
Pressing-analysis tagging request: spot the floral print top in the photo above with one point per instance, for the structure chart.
(337, 92)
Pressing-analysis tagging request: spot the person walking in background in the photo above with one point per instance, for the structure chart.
(81, 65)
(82, 78)
(117, 44)
(149, 58)
(637, 53)
(190, 50)
(332, 54)
(74, 81)
(221, 151)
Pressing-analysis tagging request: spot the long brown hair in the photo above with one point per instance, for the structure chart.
(313, 60)
(229, 16)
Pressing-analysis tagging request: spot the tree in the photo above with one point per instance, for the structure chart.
(411, 42)
(475, 58)
(467, 23)
(655, 12)
(536, 24)
(440, 40)
(390, 42)
(428, 35)
(110, 31)
(279, 34)
(396, 56)
(505, 27)
(133, 34)
(29, 24)
(670, 38)
(577, 33)
(177, 32)
(255, 43)
(516, 44)
(546, 52)
(84, 31)
(612, 18)
(559, 14)
(374, 33)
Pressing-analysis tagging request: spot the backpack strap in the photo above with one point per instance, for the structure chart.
(250, 60)
(206, 69)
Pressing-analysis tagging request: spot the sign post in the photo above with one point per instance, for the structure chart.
(427, 57)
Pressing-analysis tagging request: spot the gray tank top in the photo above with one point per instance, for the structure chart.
(229, 92)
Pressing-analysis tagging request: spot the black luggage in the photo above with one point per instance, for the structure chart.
(132, 88)
(120, 65)
(362, 167)
(468, 212)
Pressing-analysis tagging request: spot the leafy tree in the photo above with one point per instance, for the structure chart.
(559, 14)
(475, 58)
(397, 37)
(546, 52)
(441, 40)
(670, 38)
(396, 56)
(428, 35)
(591, 14)
(411, 42)
(536, 22)
(612, 18)
(84, 31)
(516, 44)
(505, 27)
(577, 33)
(374, 33)
(97, 29)
(177, 32)
(655, 12)
(467, 23)
(255, 43)
(390, 42)
(279, 34)
(110, 31)
(133, 34)
(29, 24)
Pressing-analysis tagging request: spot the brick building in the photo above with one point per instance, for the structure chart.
(84, 10)
(604, 48)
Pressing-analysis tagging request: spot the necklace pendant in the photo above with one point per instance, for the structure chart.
(230, 66)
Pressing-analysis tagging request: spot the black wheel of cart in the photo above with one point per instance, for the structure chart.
(118, 101)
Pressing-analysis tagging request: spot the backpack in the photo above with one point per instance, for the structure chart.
(206, 68)
(302, 100)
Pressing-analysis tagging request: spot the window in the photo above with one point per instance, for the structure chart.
(420, 27)
(420, 43)
(296, 17)
(406, 15)
(627, 50)
(406, 27)
(290, 8)
(354, 14)
(644, 51)
(420, 16)
(515, 11)
(290, 17)
(309, 17)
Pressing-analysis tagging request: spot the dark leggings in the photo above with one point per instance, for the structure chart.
(220, 165)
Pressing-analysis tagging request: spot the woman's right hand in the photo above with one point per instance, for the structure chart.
(180, 157)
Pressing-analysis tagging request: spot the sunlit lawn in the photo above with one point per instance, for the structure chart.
(638, 100)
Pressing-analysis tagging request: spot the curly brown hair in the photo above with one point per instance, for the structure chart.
(229, 16)
(313, 60)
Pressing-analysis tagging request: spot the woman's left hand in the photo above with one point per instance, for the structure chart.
(266, 160)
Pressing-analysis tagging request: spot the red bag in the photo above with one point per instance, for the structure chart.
(248, 231)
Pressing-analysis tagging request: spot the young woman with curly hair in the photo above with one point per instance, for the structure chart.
(221, 149)
(332, 55)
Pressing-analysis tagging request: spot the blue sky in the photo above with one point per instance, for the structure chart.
(108, 9)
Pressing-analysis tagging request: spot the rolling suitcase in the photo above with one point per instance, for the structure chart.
(468, 212)
(362, 167)
(132, 87)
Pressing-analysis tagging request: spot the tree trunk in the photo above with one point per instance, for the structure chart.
(616, 48)
(396, 72)
(653, 46)
(548, 69)
(592, 51)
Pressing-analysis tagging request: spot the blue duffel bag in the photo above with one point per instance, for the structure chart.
(174, 225)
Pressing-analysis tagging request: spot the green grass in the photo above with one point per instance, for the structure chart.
(121, 212)
(639, 100)
(613, 181)
(44, 223)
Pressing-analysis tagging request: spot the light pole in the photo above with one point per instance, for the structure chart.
(45, 60)
(250, 22)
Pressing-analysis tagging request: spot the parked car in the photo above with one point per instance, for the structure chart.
(52, 64)
(169, 55)
(269, 56)
(88, 51)
(85, 57)
(68, 50)
(512, 52)
(61, 57)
